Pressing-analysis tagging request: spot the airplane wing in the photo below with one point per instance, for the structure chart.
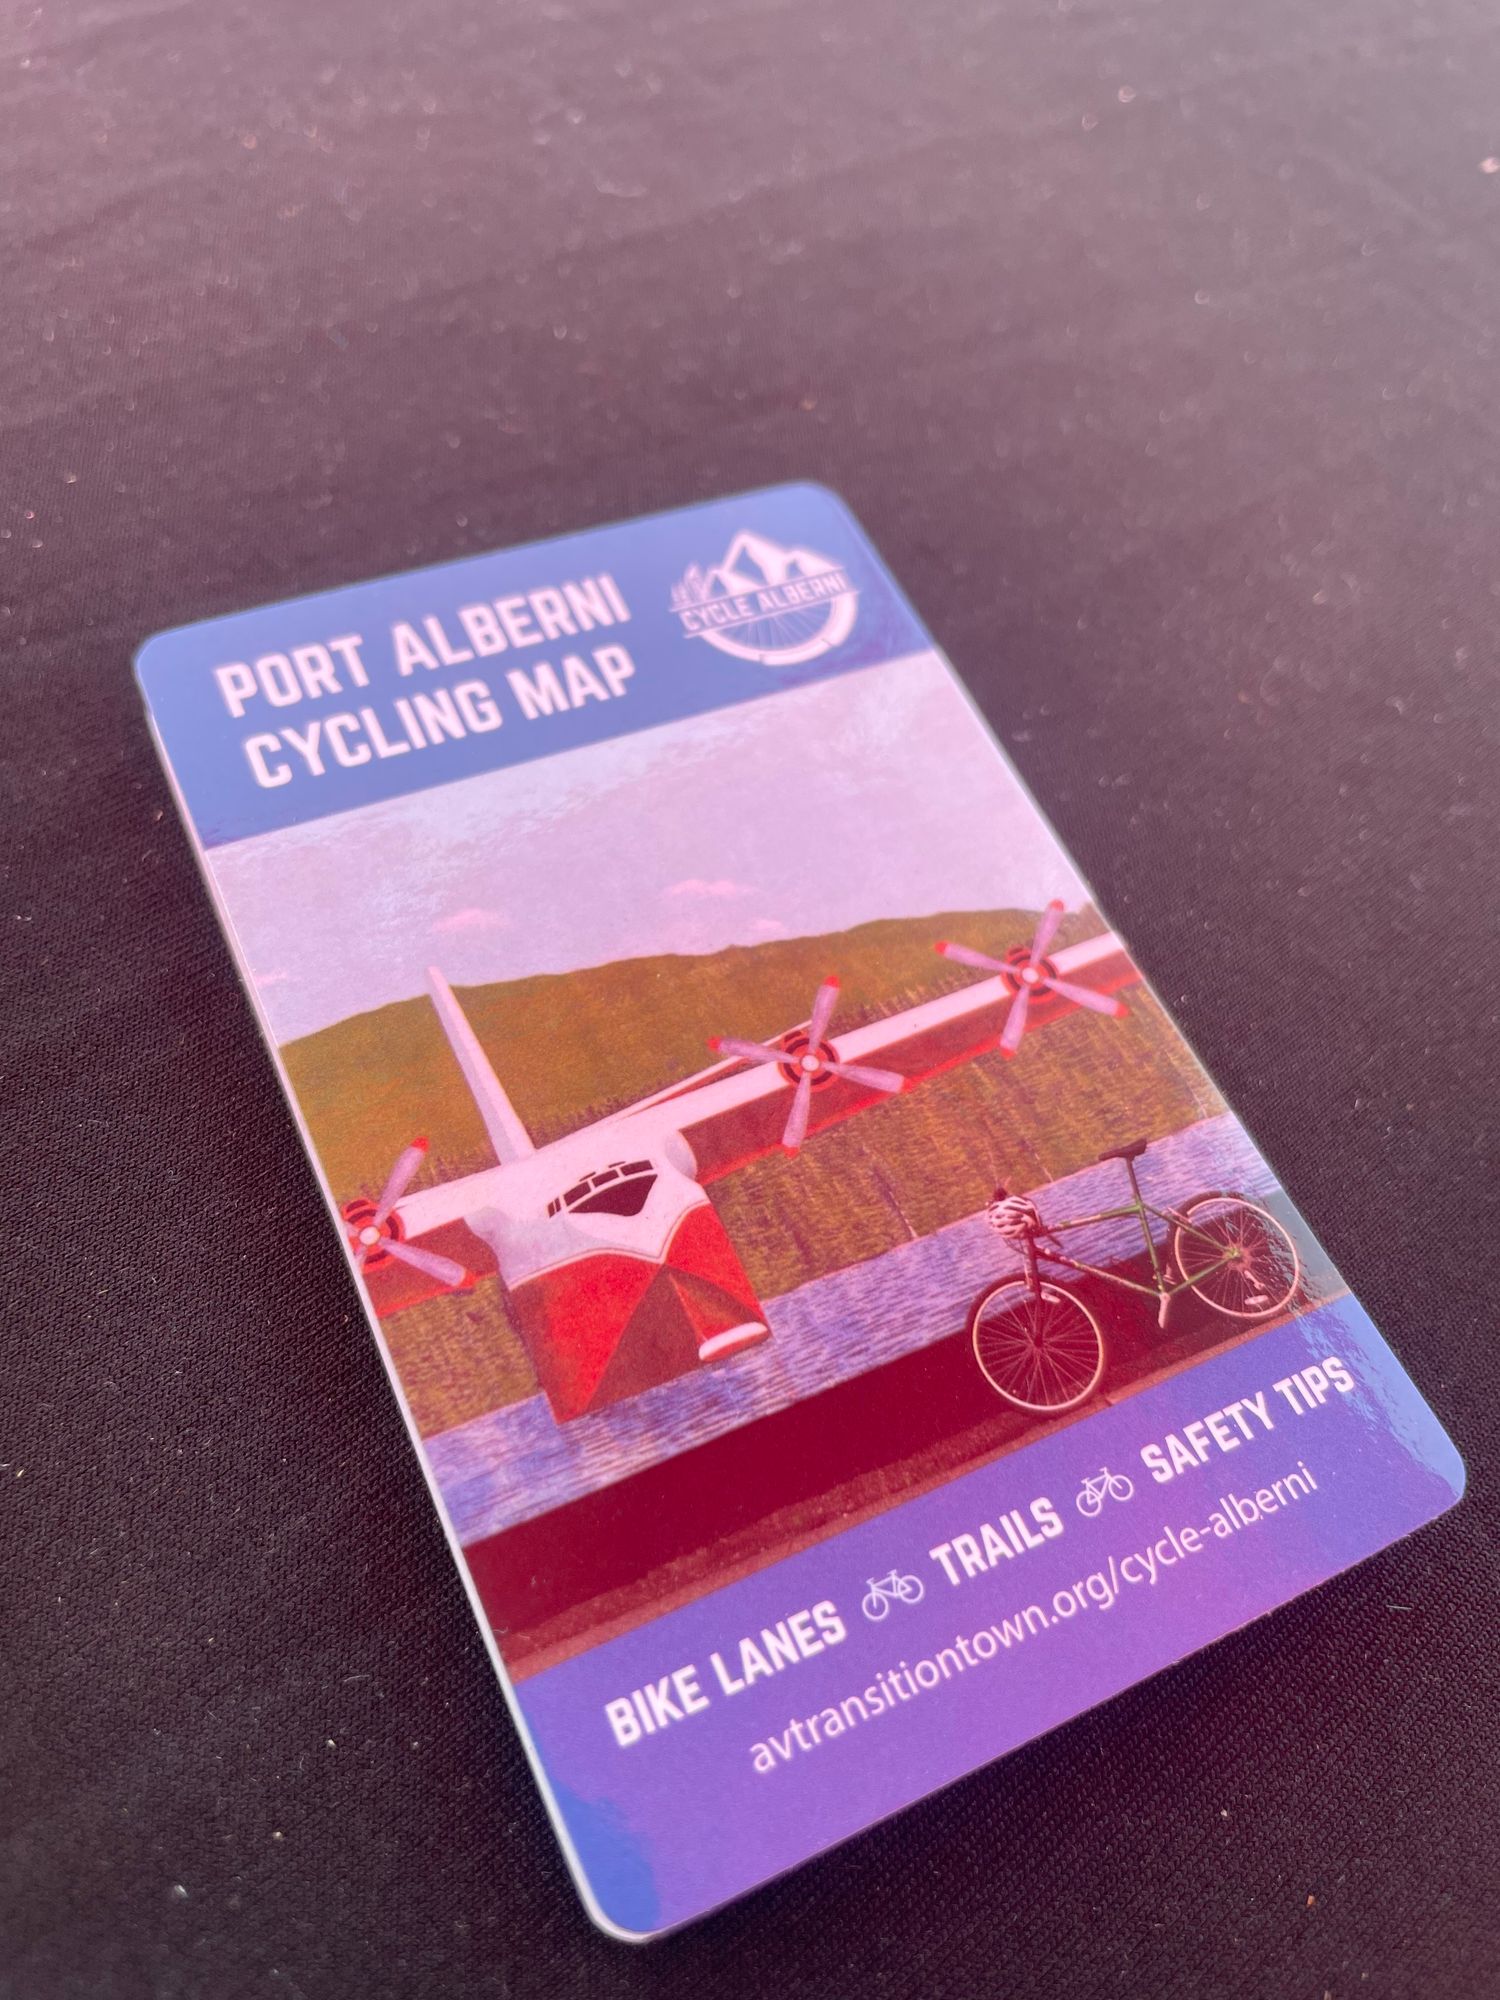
(733, 1111)
(729, 1120)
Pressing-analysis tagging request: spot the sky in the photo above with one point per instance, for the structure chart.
(877, 794)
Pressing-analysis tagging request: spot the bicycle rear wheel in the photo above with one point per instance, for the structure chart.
(1236, 1256)
(1042, 1351)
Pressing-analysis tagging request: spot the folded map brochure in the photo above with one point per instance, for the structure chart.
(843, 1329)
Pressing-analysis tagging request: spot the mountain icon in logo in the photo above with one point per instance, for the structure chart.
(753, 563)
(779, 607)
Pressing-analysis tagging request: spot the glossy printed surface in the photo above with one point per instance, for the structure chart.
(1053, 1538)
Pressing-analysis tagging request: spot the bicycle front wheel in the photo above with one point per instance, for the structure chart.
(1236, 1256)
(1042, 1351)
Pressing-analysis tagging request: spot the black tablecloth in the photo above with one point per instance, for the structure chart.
(1156, 346)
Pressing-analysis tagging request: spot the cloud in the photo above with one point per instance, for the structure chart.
(769, 927)
(696, 886)
(471, 919)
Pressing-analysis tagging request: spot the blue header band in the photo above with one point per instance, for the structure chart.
(273, 717)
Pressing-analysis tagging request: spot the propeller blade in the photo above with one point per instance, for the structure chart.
(442, 1268)
(1046, 930)
(961, 955)
(400, 1178)
(872, 1079)
(731, 1045)
(822, 1011)
(1015, 1022)
(796, 1118)
(1085, 996)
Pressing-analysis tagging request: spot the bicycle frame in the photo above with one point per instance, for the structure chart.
(1037, 1247)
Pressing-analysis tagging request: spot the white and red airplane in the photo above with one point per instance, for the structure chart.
(616, 1264)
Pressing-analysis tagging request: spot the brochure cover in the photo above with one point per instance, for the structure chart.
(843, 1329)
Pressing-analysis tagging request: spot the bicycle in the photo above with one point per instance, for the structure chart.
(1101, 1486)
(1037, 1342)
(886, 1590)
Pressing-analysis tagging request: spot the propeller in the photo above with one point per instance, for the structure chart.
(372, 1237)
(806, 1059)
(1031, 972)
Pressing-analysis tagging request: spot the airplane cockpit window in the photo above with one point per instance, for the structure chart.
(621, 1188)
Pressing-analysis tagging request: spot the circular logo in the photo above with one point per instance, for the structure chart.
(778, 607)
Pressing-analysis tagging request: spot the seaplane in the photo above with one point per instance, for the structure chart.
(619, 1273)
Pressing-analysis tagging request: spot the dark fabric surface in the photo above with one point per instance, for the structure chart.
(1156, 347)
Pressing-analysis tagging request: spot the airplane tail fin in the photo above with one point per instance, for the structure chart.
(508, 1135)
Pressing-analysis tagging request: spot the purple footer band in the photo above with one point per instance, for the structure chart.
(745, 1732)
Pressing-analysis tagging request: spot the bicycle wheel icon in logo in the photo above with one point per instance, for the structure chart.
(1101, 1486)
(774, 606)
(884, 1591)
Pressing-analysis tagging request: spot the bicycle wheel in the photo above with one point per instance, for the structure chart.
(1236, 1256)
(1043, 1352)
(1120, 1487)
(1090, 1502)
(876, 1604)
(909, 1589)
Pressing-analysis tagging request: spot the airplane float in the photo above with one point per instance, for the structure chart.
(616, 1264)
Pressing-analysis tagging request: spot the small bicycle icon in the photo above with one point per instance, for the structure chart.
(886, 1590)
(1100, 1486)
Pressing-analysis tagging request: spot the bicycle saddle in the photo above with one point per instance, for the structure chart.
(1133, 1151)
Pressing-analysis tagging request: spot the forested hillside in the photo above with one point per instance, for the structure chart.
(571, 1047)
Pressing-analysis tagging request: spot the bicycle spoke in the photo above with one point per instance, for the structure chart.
(1043, 1352)
(1237, 1257)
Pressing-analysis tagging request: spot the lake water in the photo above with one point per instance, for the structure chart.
(519, 1462)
